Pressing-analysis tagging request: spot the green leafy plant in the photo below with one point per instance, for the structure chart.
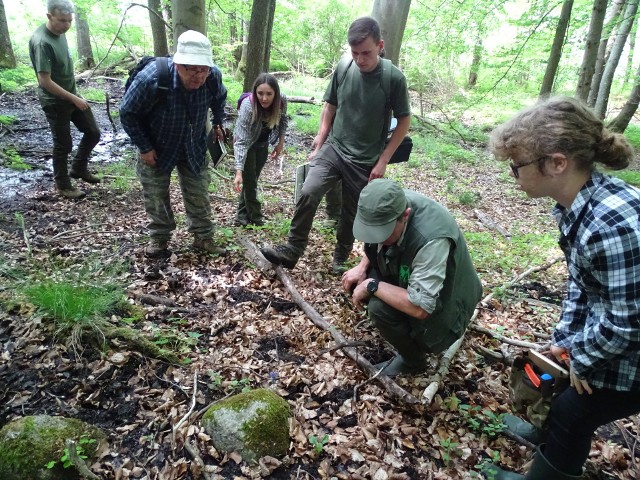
(93, 94)
(318, 443)
(450, 448)
(482, 421)
(65, 460)
(13, 160)
(7, 119)
(243, 385)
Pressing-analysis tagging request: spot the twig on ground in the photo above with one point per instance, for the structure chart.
(193, 451)
(343, 345)
(186, 416)
(518, 438)
(503, 339)
(78, 462)
(491, 224)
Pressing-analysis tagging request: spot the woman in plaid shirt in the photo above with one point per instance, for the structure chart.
(553, 148)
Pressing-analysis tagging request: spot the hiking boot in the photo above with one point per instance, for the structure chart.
(398, 365)
(70, 192)
(340, 257)
(156, 247)
(207, 245)
(523, 429)
(540, 469)
(85, 175)
(281, 255)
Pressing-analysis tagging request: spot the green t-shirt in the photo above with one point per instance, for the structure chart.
(357, 130)
(50, 53)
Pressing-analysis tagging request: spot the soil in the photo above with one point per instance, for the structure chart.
(236, 326)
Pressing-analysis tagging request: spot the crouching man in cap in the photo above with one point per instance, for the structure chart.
(416, 277)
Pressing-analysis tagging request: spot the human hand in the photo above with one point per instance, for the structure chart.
(237, 181)
(219, 132)
(561, 354)
(360, 295)
(580, 384)
(378, 170)
(351, 278)
(149, 158)
(277, 151)
(80, 103)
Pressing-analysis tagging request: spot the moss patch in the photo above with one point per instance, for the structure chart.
(255, 423)
(29, 443)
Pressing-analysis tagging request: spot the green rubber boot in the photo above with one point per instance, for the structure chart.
(523, 429)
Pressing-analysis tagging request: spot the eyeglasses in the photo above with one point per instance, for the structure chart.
(197, 70)
(515, 168)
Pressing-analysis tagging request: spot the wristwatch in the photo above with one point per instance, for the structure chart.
(372, 287)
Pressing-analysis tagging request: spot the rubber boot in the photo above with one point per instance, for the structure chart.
(523, 429)
(540, 469)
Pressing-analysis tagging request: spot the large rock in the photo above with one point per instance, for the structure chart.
(29, 443)
(254, 424)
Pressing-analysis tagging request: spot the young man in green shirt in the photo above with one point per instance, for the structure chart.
(58, 97)
(350, 142)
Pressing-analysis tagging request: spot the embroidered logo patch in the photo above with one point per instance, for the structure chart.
(405, 271)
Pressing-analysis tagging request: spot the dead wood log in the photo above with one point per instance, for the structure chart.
(78, 462)
(392, 387)
(138, 342)
(311, 100)
(503, 339)
(488, 222)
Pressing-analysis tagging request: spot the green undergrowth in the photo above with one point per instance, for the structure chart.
(632, 177)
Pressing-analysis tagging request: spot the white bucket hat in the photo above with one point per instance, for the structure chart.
(193, 49)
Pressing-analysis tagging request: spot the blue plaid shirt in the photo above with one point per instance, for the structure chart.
(600, 320)
(175, 127)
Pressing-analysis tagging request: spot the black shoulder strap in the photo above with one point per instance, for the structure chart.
(341, 63)
(162, 65)
(386, 88)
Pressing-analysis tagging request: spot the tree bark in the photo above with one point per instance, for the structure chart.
(475, 62)
(267, 42)
(556, 49)
(7, 57)
(590, 56)
(614, 58)
(188, 15)
(259, 34)
(158, 29)
(392, 17)
(621, 122)
(601, 57)
(85, 53)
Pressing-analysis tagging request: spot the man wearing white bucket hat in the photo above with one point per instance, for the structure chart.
(170, 132)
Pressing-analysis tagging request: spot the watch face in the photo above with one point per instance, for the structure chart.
(372, 287)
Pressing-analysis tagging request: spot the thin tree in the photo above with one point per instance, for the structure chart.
(158, 29)
(188, 15)
(83, 38)
(610, 22)
(590, 56)
(392, 17)
(7, 58)
(621, 121)
(630, 11)
(260, 25)
(556, 48)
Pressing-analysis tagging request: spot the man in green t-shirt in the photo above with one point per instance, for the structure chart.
(350, 145)
(57, 94)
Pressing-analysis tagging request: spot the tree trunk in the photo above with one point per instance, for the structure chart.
(594, 35)
(158, 29)
(601, 58)
(621, 122)
(392, 17)
(632, 48)
(616, 52)
(556, 49)
(259, 33)
(267, 42)
(475, 62)
(7, 58)
(85, 54)
(188, 15)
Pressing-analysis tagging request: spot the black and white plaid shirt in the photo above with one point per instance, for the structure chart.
(600, 320)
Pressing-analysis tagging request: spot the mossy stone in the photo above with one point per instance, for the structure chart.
(29, 443)
(254, 423)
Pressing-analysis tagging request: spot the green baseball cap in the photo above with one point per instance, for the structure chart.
(380, 205)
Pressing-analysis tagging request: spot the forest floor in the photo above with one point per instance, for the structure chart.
(237, 326)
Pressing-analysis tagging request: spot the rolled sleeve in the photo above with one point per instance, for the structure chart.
(428, 273)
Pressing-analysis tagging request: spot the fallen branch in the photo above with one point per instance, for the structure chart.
(441, 372)
(488, 222)
(193, 451)
(392, 387)
(343, 345)
(503, 339)
(184, 419)
(78, 462)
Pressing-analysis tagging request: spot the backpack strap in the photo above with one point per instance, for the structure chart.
(343, 65)
(162, 65)
(386, 88)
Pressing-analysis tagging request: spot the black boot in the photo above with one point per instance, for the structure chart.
(540, 469)
(523, 429)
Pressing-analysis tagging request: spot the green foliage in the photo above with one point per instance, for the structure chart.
(482, 420)
(7, 119)
(122, 174)
(632, 133)
(450, 448)
(317, 443)
(632, 177)
(306, 118)
(92, 94)
(491, 252)
(14, 79)
(174, 339)
(13, 160)
(65, 460)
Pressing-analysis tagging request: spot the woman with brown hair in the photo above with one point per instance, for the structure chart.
(553, 148)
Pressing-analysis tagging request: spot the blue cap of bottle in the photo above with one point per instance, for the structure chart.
(545, 376)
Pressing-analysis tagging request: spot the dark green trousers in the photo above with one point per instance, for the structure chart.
(249, 207)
